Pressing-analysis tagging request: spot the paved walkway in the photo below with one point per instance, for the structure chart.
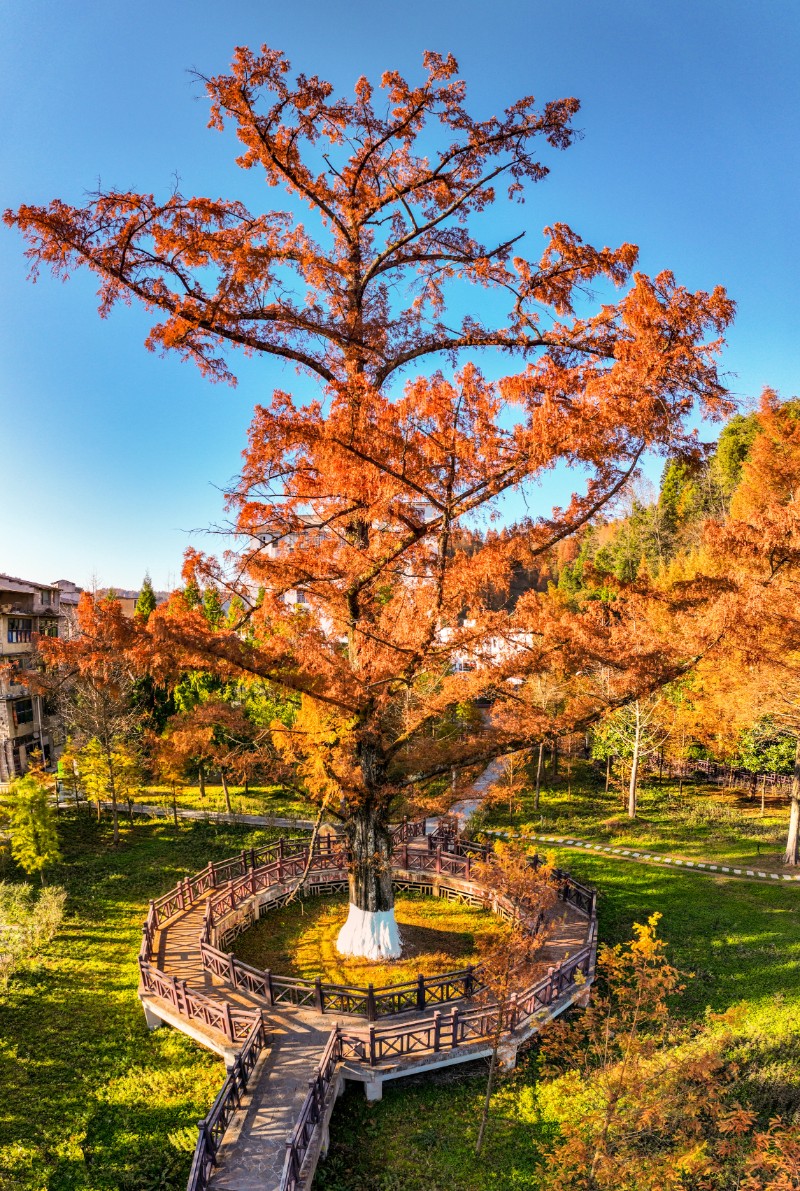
(252, 1153)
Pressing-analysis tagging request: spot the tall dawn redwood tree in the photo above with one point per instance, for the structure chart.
(368, 498)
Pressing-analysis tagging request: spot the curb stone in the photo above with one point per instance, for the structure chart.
(704, 866)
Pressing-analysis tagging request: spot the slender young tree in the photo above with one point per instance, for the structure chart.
(365, 575)
(507, 958)
(94, 686)
(34, 839)
(146, 601)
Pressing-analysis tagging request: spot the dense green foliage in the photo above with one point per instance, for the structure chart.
(34, 842)
(27, 924)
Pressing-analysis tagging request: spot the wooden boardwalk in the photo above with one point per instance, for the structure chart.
(252, 1153)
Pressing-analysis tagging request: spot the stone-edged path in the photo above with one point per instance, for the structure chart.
(692, 866)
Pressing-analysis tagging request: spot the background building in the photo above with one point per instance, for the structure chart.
(27, 722)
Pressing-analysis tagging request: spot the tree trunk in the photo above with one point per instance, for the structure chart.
(224, 779)
(112, 789)
(792, 854)
(555, 759)
(201, 779)
(608, 772)
(634, 766)
(487, 1100)
(371, 928)
(539, 767)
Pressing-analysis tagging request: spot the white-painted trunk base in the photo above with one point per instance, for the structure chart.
(370, 934)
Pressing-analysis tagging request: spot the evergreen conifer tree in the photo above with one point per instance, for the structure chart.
(146, 603)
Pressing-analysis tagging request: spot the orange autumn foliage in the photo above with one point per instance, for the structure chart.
(372, 497)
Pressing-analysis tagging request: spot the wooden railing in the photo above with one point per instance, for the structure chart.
(233, 882)
(312, 1112)
(407, 830)
(716, 774)
(432, 1035)
(224, 920)
(459, 1027)
(211, 1129)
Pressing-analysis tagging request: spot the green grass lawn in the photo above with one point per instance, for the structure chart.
(738, 943)
(91, 1099)
(258, 800)
(698, 822)
(438, 936)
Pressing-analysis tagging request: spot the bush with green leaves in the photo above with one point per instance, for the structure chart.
(27, 924)
(34, 840)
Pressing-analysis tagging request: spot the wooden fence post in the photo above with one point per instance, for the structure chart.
(420, 991)
(227, 1020)
(469, 980)
(318, 998)
(232, 969)
(371, 1011)
(239, 1077)
(438, 858)
(208, 1141)
(372, 1046)
(244, 861)
(437, 1029)
(549, 995)
(270, 994)
(454, 1036)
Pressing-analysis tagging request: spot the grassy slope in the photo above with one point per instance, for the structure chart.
(93, 1101)
(438, 936)
(259, 800)
(739, 940)
(699, 822)
(90, 1099)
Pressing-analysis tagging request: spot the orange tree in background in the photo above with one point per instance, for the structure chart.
(366, 496)
(758, 546)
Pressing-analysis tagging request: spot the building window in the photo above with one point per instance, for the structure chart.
(47, 598)
(23, 711)
(49, 628)
(19, 630)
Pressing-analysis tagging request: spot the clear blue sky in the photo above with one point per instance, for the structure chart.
(110, 454)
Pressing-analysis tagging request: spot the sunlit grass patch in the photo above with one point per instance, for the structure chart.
(92, 1101)
(437, 936)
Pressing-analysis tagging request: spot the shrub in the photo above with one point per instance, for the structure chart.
(27, 924)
